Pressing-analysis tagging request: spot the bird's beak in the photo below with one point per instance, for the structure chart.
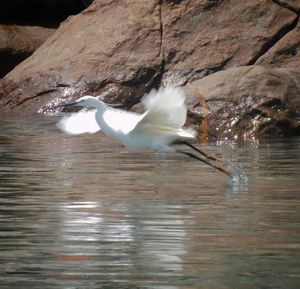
(67, 104)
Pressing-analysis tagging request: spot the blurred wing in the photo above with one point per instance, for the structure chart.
(121, 121)
(79, 123)
(165, 107)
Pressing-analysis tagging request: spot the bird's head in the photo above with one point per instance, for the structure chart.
(87, 100)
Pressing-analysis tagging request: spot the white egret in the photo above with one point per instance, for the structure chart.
(160, 126)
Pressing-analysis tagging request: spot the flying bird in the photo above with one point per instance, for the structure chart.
(158, 128)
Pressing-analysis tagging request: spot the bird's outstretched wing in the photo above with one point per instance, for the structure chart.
(165, 107)
(121, 121)
(79, 123)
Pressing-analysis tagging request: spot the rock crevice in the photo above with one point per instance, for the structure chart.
(275, 39)
(293, 6)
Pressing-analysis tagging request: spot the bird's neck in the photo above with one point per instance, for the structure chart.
(101, 107)
(98, 104)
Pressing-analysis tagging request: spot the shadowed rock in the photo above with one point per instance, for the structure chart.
(26, 24)
(285, 53)
(19, 42)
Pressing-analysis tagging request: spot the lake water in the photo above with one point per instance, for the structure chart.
(83, 212)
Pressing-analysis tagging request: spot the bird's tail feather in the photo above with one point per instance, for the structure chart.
(168, 132)
(187, 133)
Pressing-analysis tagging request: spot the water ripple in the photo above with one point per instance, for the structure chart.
(83, 212)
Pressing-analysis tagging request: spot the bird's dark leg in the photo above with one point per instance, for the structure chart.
(220, 168)
(197, 150)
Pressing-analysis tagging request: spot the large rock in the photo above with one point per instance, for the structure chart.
(247, 102)
(120, 51)
(212, 35)
(110, 49)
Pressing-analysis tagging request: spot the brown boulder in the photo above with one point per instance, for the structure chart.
(208, 36)
(119, 51)
(109, 49)
(246, 102)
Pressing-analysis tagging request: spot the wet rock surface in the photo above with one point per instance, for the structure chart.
(247, 102)
(120, 51)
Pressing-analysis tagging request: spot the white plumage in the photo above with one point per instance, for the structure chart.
(157, 128)
(165, 107)
(79, 123)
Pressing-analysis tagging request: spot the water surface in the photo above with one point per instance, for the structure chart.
(83, 212)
